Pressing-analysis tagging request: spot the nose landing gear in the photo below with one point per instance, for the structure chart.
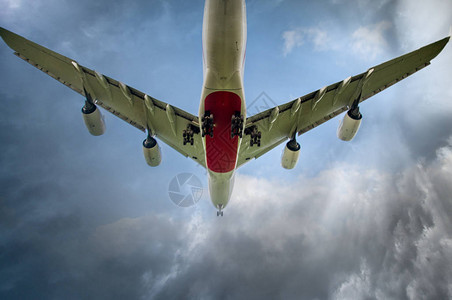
(220, 212)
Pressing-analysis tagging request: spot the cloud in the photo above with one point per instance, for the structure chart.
(356, 286)
(13, 4)
(291, 39)
(296, 38)
(350, 232)
(432, 21)
(369, 41)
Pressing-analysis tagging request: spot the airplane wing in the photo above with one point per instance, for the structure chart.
(307, 112)
(136, 108)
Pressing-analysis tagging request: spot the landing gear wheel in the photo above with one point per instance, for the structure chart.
(236, 124)
(255, 136)
(207, 124)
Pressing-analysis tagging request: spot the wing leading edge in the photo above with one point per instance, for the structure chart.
(136, 108)
(307, 112)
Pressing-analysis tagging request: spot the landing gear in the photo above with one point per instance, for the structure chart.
(207, 124)
(236, 125)
(188, 135)
(220, 212)
(255, 136)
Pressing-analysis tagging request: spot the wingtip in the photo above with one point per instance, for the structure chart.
(4, 32)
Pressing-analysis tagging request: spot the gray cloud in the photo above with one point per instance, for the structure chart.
(378, 235)
(373, 235)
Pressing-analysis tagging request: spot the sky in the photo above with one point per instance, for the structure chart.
(85, 217)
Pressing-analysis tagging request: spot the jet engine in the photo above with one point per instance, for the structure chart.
(93, 119)
(290, 154)
(151, 151)
(350, 124)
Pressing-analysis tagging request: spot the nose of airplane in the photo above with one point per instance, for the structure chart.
(220, 189)
(219, 192)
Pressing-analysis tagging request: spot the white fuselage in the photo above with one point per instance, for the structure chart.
(224, 44)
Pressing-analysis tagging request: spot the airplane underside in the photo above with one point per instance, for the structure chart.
(221, 137)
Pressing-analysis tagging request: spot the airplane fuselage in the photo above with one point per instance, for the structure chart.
(222, 97)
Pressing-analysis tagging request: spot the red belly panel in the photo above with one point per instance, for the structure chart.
(221, 150)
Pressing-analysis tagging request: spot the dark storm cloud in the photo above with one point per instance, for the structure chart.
(373, 235)
(54, 258)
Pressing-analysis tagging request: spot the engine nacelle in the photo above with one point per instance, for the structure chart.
(290, 154)
(93, 119)
(349, 126)
(151, 151)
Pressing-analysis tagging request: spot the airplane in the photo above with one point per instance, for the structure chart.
(221, 137)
